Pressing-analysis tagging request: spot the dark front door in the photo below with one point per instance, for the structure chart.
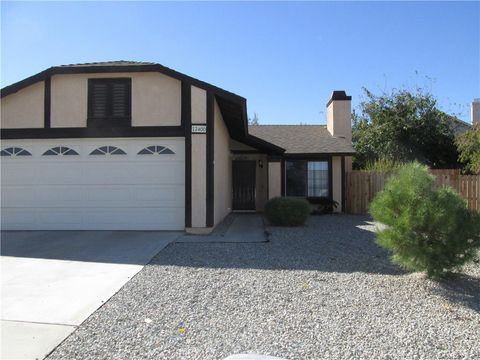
(243, 179)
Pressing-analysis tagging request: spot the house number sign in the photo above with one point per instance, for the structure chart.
(199, 129)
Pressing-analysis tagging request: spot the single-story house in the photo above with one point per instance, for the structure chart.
(138, 146)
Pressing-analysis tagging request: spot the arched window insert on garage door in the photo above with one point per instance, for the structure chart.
(60, 150)
(15, 151)
(108, 150)
(150, 150)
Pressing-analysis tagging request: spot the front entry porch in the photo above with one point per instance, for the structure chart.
(249, 181)
(244, 185)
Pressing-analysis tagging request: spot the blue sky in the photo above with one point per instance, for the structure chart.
(285, 58)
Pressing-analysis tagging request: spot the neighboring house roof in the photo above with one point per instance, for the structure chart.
(302, 139)
(458, 126)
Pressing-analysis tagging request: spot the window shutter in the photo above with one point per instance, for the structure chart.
(99, 99)
(109, 99)
(119, 100)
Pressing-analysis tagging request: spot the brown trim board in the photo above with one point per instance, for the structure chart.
(47, 102)
(210, 159)
(344, 179)
(89, 132)
(186, 124)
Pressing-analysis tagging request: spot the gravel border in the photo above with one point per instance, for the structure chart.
(321, 291)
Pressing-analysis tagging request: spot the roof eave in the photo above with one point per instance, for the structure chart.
(317, 154)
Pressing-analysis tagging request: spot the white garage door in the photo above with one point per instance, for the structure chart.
(100, 184)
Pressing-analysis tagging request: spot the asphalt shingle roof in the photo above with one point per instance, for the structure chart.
(109, 63)
(302, 139)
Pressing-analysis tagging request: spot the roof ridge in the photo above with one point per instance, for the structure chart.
(109, 62)
(289, 125)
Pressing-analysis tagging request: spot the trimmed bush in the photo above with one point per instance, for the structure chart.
(287, 211)
(427, 229)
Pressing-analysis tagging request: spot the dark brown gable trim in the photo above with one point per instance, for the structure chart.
(210, 158)
(187, 124)
(330, 178)
(343, 183)
(235, 100)
(62, 70)
(56, 133)
(47, 102)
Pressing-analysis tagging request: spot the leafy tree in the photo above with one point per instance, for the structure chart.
(469, 149)
(402, 127)
(254, 120)
(426, 229)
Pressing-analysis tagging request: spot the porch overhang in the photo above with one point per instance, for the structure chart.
(234, 112)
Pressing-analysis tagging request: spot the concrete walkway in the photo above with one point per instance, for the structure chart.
(52, 281)
(245, 228)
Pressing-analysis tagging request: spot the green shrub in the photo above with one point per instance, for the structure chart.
(287, 211)
(427, 229)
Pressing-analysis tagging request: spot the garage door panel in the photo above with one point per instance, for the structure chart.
(128, 173)
(18, 196)
(87, 173)
(168, 193)
(52, 217)
(124, 192)
(18, 219)
(45, 173)
(79, 196)
(62, 173)
(106, 194)
(141, 216)
(95, 219)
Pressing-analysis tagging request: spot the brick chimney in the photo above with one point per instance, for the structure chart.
(339, 115)
(476, 111)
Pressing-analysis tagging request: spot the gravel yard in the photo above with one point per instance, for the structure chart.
(322, 291)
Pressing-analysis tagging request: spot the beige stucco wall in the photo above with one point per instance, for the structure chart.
(339, 119)
(156, 99)
(199, 105)
(69, 100)
(348, 163)
(222, 168)
(274, 179)
(337, 182)
(235, 145)
(25, 108)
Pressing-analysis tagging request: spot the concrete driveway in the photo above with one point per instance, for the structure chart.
(51, 281)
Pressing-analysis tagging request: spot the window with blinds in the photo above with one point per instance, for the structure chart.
(307, 178)
(109, 99)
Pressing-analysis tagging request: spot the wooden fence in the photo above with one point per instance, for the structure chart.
(361, 187)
